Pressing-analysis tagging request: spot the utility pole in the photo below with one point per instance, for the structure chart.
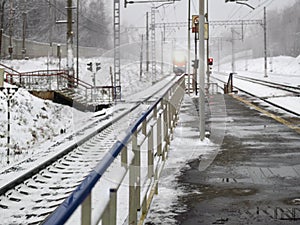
(153, 47)
(117, 52)
(11, 17)
(147, 41)
(141, 57)
(24, 29)
(50, 35)
(219, 54)
(77, 44)
(2, 24)
(265, 42)
(189, 45)
(201, 70)
(162, 53)
(232, 51)
(70, 56)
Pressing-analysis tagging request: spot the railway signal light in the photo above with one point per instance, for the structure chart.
(90, 66)
(195, 63)
(210, 61)
(98, 66)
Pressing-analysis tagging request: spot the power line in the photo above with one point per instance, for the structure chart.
(234, 13)
(87, 27)
(257, 10)
(194, 6)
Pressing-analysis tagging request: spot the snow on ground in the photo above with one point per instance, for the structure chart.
(281, 66)
(285, 70)
(35, 121)
(184, 148)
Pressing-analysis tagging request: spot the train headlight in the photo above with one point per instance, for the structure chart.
(179, 57)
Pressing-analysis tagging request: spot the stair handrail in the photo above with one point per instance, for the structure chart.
(64, 74)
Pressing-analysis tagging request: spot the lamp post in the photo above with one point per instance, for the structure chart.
(189, 45)
(201, 70)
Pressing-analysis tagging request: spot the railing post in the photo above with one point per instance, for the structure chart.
(86, 210)
(158, 132)
(49, 80)
(111, 210)
(169, 117)
(156, 179)
(150, 154)
(134, 189)
(144, 127)
(155, 112)
(124, 157)
(166, 128)
(57, 81)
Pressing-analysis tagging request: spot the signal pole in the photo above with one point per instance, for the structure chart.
(196, 65)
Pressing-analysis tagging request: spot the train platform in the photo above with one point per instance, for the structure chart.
(246, 172)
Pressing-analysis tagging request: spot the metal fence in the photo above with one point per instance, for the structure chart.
(57, 80)
(138, 159)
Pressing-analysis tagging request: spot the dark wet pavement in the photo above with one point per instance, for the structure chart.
(254, 178)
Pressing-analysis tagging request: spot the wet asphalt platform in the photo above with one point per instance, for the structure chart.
(253, 177)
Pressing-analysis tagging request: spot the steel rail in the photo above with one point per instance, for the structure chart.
(36, 170)
(261, 98)
(67, 208)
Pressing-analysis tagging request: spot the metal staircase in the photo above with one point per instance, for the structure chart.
(53, 85)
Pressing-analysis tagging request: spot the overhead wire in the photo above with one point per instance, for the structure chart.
(194, 6)
(82, 15)
(234, 13)
(254, 12)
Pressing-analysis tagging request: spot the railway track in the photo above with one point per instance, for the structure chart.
(31, 197)
(288, 89)
(292, 89)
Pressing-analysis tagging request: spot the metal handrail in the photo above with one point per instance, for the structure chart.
(60, 74)
(9, 68)
(80, 194)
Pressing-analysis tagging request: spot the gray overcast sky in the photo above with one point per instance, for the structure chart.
(134, 14)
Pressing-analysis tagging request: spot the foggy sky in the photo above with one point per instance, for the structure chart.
(134, 14)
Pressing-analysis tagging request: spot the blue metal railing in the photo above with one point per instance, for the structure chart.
(67, 208)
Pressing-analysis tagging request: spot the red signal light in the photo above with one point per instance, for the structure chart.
(210, 61)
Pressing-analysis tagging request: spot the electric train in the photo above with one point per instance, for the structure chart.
(179, 62)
